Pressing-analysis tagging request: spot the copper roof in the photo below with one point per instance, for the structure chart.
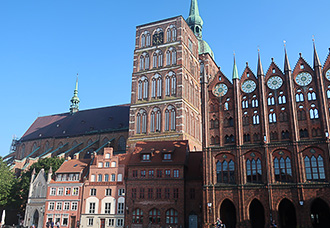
(91, 121)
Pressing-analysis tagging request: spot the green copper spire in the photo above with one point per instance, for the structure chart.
(74, 107)
(195, 21)
(235, 71)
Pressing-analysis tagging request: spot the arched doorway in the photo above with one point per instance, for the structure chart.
(257, 214)
(228, 213)
(287, 213)
(35, 218)
(320, 214)
(193, 220)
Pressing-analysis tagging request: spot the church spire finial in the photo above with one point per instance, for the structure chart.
(74, 107)
(286, 59)
(235, 71)
(260, 71)
(316, 56)
(194, 20)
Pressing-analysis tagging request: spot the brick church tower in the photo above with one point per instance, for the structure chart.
(165, 100)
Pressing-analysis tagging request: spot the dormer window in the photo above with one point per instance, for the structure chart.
(146, 157)
(167, 156)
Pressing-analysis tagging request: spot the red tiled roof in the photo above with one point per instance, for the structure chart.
(83, 122)
(178, 149)
(73, 166)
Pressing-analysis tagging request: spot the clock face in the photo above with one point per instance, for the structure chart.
(220, 90)
(158, 38)
(303, 79)
(249, 86)
(327, 74)
(275, 82)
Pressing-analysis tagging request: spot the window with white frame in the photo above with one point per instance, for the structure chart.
(92, 178)
(111, 222)
(113, 177)
(92, 208)
(74, 206)
(120, 208)
(75, 191)
(106, 177)
(121, 192)
(58, 206)
(100, 164)
(66, 206)
(107, 208)
(90, 222)
(60, 192)
(108, 192)
(99, 177)
(93, 192)
(67, 191)
(119, 177)
(120, 222)
(51, 206)
(65, 220)
(53, 191)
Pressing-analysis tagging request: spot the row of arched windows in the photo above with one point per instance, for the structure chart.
(311, 96)
(171, 35)
(157, 86)
(155, 120)
(313, 165)
(154, 217)
(157, 59)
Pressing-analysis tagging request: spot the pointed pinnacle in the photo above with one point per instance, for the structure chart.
(316, 57)
(286, 61)
(260, 71)
(235, 71)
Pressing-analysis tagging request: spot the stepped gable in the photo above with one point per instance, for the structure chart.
(89, 121)
(179, 150)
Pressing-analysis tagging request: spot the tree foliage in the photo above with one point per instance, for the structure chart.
(7, 180)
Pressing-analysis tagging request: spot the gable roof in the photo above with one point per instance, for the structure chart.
(73, 166)
(90, 121)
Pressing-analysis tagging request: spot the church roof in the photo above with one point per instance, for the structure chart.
(91, 121)
(204, 47)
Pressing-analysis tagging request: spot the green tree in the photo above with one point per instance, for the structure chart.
(7, 180)
(20, 190)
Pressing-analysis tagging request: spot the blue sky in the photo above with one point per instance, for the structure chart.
(44, 44)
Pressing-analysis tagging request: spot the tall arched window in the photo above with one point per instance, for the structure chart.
(147, 62)
(303, 133)
(168, 58)
(314, 168)
(170, 84)
(148, 40)
(225, 171)
(141, 62)
(173, 34)
(143, 41)
(271, 100)
(253, 169)
(282, 168)
(281, 99)
(311, 96)
(301, 114)
(255, 103)
(299, 97)
(168, 35)
(155, 120)
(122, 143)
(328, 93)
(245, 103)
(313, 113)
(255, 119)
(137, 216)
(156, 86)
(272, 117)
(154, 216)
(170, 118)
(143, 88)
(141, 122)
(159, 87)
(171, 216)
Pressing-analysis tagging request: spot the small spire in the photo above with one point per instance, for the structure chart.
(235, 71)
(260, 71)
(316, 57)
(286, 59)
(74, 107)
(194, 20)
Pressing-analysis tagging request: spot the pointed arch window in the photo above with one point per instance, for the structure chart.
(159, 87)
(143, 41)
(143, 88)
(254, 170)
(282, 168)
(168, 58)
(148, 40)
(173, 85)
(168, 35)
(303, 133)
(155, 120)
(313, 113)
(173, 34)
(282, 99)
(160, 59)
(225, 171)
(301, 114)
(147, 61)
(311, 96)
(246, 138)
(314, 168)
(170, 117)
(173, 57)
(226, 106)
(154, 60)
(245, 103)
(140, 90)
(272, 117)
(141, 62)
(270, 100)
(285, 134)
(255, 119)
(255, 103)
(154, 216)
(299, 97)
(328, 93)
(141, 122)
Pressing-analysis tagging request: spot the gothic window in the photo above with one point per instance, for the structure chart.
(303, 133)
(270, 100)
(170, 84)
(272, 117)
(143, 41)
(171, 216)
(212, 140)
(254, 103)
(141, 122)
(255, 119)
(253, 170)
(157, 59)
(314, 168)
(282, 168)
(159, 87)
(283, 117)
(170, 118)
(160, 59)
(328, 93)
(216, 123)
(313, 113)
(154, 60)
(245, 120)
(143, 88)
(245, 103)
(229, 122)
(155, 120)
(301, 114)
(167, 86)
(141, 62)
(226, 106)
(173, 33)
(285, 134)
(225, 171)
(148, 40)
(229, 139)
(154, 216)
(156, 86)
(168, 58)
(173, 57)
(311, 96)
(122, 143)
(146, 62)
(173, 85)
(299, 97)
(168, 35)
(246, 138)
(137, 215)
(282, 99)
